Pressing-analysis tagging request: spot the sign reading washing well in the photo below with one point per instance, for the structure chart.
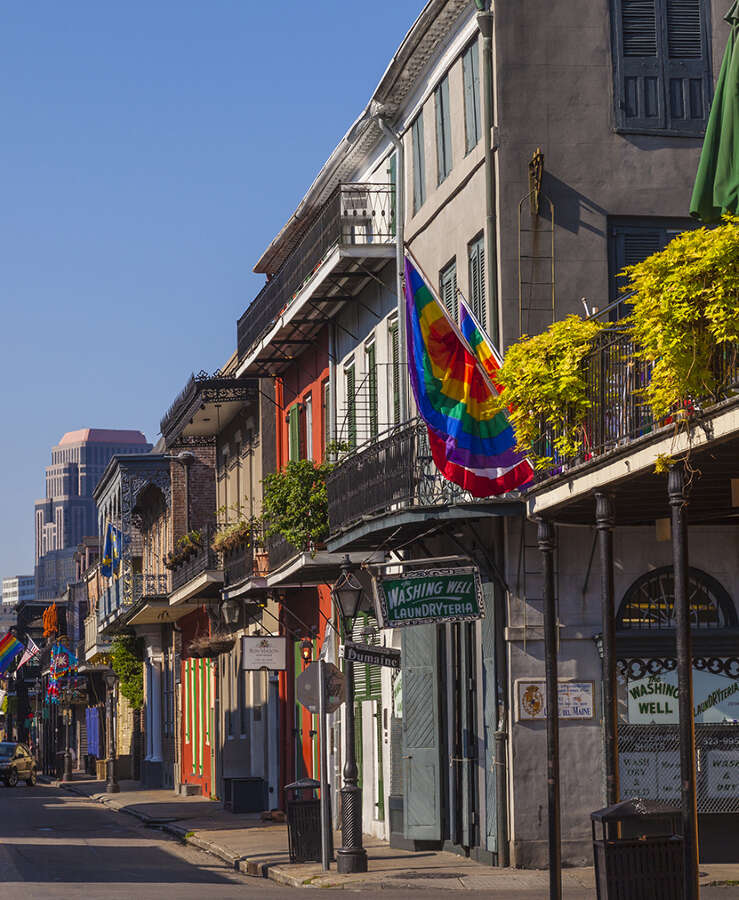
(263, 652)
(653, 700)
(433, 595)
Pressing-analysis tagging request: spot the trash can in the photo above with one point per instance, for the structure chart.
(639, 853)
(304, 823)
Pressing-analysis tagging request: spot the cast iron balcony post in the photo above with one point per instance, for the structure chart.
(112, 786)
(351, 856)
(67, 776)
(545, 538)
(678, 503)
(605, 521)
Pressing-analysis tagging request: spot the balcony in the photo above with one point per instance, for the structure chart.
(393, 484)
(238, 564)
(95, 646)
(200, 575)
(622, 441)
(355, 225)
(206, 404)
(149, 587)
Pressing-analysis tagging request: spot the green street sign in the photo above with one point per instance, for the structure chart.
(433, 595)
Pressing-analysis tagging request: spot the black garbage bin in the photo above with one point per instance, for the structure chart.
(304, 822)
(639, 853)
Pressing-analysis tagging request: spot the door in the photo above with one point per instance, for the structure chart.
(490, 721)
(421, 733)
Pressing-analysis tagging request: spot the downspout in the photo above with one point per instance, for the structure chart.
(485, 24)
(399, 261)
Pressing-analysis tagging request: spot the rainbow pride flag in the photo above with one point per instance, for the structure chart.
(10, 647)
(472, 444)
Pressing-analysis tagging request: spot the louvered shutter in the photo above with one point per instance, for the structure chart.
(367, 679)
(477, 280)
(443, 131)
(686, 65)
(448, 289)
(293, 418)
(395, 375)
(419, 164)
(351, 407)
(372, 389)
(640, 95)
(471, 81)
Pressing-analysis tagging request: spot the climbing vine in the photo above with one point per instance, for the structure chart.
(127, 661)
(295, 503)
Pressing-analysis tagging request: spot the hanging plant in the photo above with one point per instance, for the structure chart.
(295, 503)
(127, 663)
(231, 536)
(545, 388)
(685, 318)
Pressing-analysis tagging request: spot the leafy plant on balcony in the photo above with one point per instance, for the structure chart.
(685, 318)
(295, 503)
(185, 547)
(127, 661)
(545, 388)
(233, 535)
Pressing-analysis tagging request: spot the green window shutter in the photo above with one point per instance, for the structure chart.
(367, 679)
(443, 130)
(419, 163)
(351, 407)
(372, 390)
(477, 280)
(471, 80)
(448, 289)
(395, 371)
(293, 419)
(326, 415)
(380, 805)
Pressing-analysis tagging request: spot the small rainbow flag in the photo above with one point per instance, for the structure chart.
(472, 444)
(10, 647)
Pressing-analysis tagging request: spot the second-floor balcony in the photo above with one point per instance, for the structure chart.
(200, 573)
(392, 484)
(96, 646)
(344, 244)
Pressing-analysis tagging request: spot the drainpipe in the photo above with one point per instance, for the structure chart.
(485, 24)
(399, 260)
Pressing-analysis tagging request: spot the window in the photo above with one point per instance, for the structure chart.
(448, 289)
(293, 424)
(308, 424)
(394, 379)
(371, 365)
(630, 242)
(351, 406)
(476, 252)
(471, 80)
(419, 164)
(661, 65)
(443, 130)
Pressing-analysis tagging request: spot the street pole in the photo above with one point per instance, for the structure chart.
(678, 503)
(112, 786)
(322, 734)
(67, 776)
(546, 546)
(351, 857)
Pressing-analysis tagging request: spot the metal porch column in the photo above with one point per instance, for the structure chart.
(545, 538)
(678, 503)
(604, 522)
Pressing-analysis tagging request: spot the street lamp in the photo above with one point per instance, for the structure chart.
(351, 857)
(231, 610)
(112, 786)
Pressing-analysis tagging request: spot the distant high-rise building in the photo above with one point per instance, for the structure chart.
(18, 589)
(67, 514)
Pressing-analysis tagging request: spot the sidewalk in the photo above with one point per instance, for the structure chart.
(260, 849)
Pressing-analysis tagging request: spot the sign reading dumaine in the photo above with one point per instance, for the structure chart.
(432, 595)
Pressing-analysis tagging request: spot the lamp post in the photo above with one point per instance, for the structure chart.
(112, 786)
(351, 857)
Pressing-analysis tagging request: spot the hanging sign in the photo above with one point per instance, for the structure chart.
(653, 700)
(263, 652)
(432, 595)
(575, 699)
(371, 656)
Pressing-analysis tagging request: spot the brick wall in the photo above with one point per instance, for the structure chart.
(202, 489)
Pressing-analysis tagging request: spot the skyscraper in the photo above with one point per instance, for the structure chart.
(67, 514)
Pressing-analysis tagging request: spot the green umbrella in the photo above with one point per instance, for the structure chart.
(716, 189)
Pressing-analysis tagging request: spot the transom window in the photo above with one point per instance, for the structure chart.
(650, 602)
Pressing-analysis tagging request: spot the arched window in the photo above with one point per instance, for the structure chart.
(650, 602)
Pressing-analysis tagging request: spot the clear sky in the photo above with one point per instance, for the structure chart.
(149, 152)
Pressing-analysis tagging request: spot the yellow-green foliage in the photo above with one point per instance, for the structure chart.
(544, 385)
(686, 314)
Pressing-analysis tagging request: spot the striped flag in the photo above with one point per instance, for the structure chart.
(10, 647)
(31, 652)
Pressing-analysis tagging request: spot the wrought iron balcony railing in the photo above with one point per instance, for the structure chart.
(355, 214)
(392, 473)
(616, 378)
(93, 641)
(202, 559)
(279, 550)
(149, 587)
(238, 563)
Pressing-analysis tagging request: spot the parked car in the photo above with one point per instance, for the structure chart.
(16, 764)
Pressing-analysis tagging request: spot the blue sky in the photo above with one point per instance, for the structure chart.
(149, 153)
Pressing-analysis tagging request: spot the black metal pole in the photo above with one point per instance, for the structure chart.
(112, 786)
(546, 545)
(604, 521)
(67, 776)
(351, 857)
(678, 503)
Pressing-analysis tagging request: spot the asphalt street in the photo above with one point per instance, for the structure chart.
(56, 845)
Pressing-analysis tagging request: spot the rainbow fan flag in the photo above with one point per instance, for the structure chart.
(10, 647)
(472, 444)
